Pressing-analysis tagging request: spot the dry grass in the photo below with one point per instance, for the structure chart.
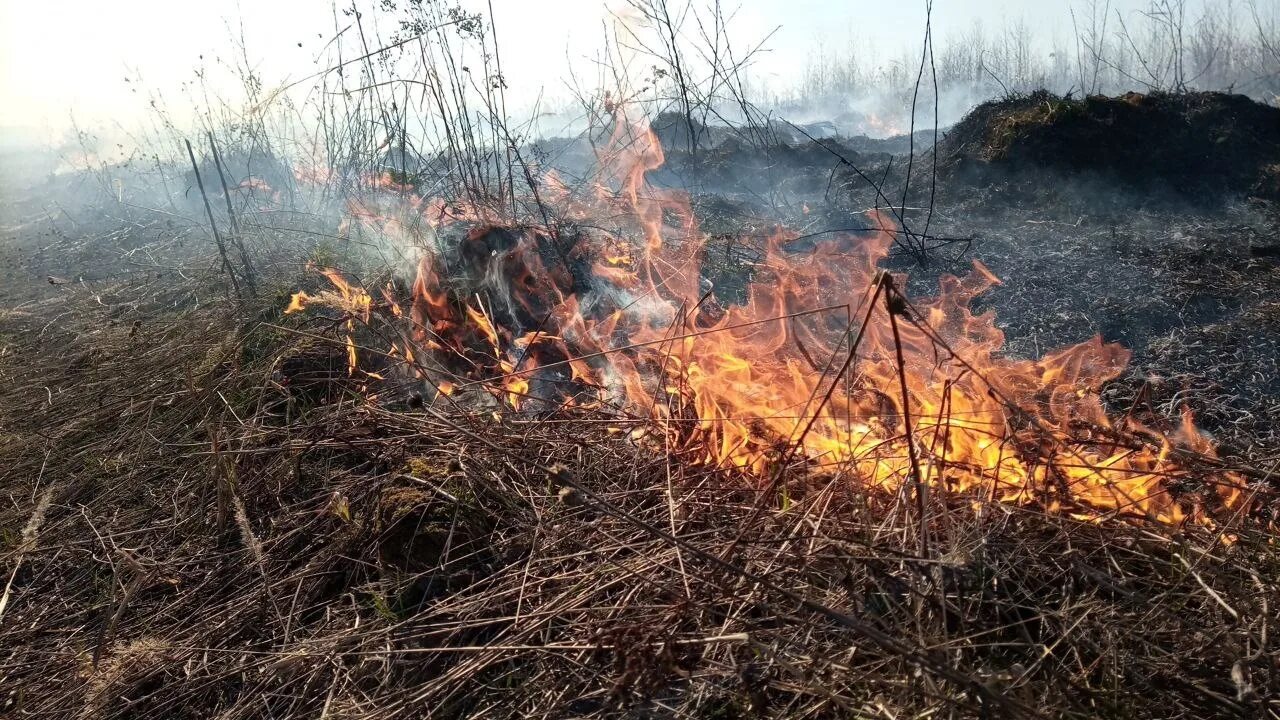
(223, 524)
(221, 543)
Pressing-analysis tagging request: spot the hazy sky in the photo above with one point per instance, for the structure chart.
(62, 55)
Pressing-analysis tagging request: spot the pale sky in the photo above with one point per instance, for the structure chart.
(63, 55)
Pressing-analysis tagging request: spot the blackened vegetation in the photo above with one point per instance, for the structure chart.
(529, 270)
(1207, 145)
(1143, 218)
(519, 278)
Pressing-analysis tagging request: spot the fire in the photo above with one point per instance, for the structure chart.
(256, 183)
(352, 300)
(385, 181)
(877, 126)
(312, 173)
(827, 362)
(297, 303)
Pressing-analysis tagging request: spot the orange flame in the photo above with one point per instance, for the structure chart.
(825, 361)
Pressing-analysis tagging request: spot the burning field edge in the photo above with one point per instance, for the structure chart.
(198, 540)
(210, 517)
(571, 467)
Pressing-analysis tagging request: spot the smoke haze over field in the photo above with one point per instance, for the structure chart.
(105, 62)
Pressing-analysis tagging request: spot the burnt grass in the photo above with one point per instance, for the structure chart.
(1149, 220)
(205, 517)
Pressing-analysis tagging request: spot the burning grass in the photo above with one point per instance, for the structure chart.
(827, 361)
(558, 471)
(218, 542)
(345, 503)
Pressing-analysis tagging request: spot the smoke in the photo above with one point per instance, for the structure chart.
(315, 127)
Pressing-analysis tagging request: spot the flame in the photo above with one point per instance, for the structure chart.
(826, 362)
(352, 358)
(876, 126)
(312, 173)
(297, 303)
(255, 183)
(352, 300)
(385, 181)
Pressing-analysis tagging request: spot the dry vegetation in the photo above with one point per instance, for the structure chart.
(208, 536)
(207, 515)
